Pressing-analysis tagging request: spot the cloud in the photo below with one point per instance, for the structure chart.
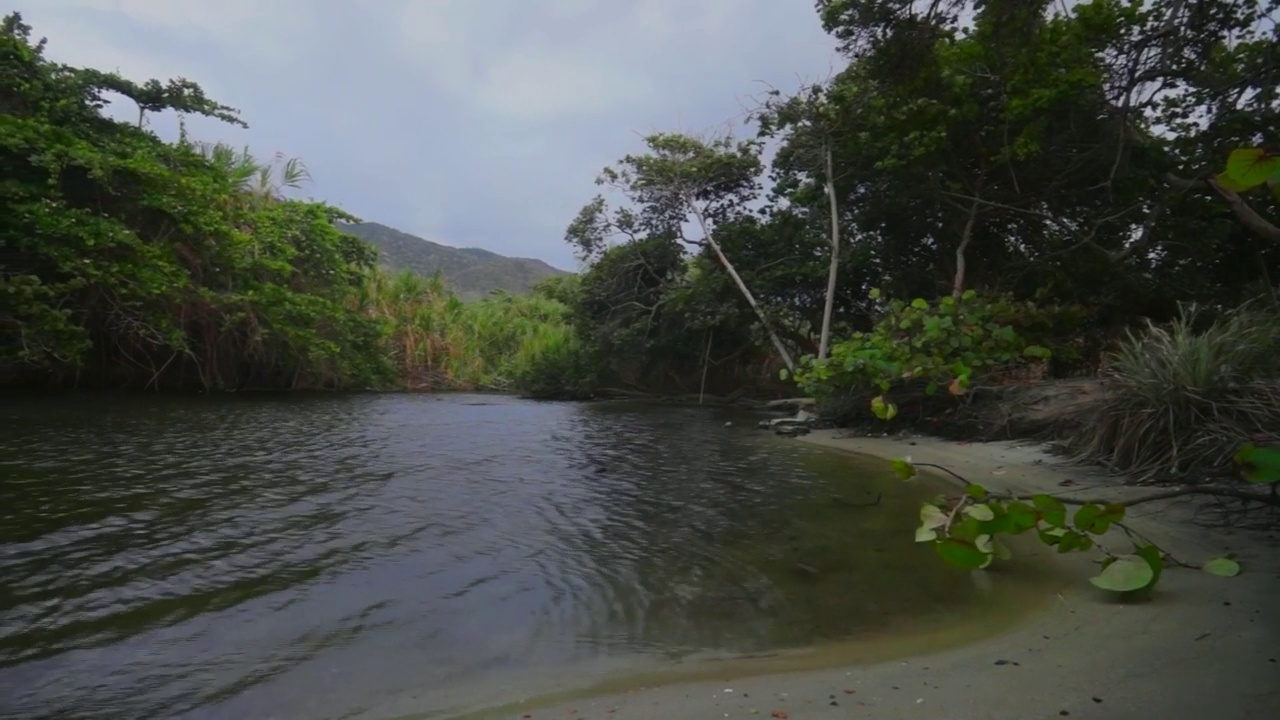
(467, 123)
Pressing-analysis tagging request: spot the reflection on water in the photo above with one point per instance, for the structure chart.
(324, 557)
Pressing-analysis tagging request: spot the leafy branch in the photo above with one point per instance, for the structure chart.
(966, 530)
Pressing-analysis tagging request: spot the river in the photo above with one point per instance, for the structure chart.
(369, 556)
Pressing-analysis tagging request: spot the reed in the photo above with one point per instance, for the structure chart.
(437, 342)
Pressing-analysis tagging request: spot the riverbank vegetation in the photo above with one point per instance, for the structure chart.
(986, 193)
(131, 262)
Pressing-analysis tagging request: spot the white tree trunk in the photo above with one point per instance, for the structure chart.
(824, 340)
(957, 287)
(742, 286)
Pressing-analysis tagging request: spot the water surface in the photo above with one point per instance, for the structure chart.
(362, 556)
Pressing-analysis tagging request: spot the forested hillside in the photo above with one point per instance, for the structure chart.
(470, 272)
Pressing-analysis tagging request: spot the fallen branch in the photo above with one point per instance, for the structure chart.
(1272, 498)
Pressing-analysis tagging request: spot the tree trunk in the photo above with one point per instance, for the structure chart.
(824, 340)
(957, 287)
(742, 287)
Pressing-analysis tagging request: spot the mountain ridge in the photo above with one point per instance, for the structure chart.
(472, 273)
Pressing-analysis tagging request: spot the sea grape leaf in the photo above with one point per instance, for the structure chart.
(1154, 558)
(1222, 567)
(1127, 574)
(1022, 517)
(1002, 551)
(903, 468)
(962, 554)
(981, 513)
(1258, 464)
(1247, 168)
(931, 516)
(1052, 511)
(883, 409)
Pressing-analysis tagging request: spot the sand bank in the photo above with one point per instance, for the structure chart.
(1202, 648)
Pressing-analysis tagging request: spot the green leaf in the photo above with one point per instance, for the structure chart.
(903, 468)
(874, 294)
(1037, 351)
(784, 374)
(1053, 536)
(1086, 516)
(966, 528)
(981, 513)
(1002, 551)
(1072, 540)
(932, 517)
(975, 491)
(961, 554)
(1052, 511)
(920, 304)
(1222, 567)
(931, 388)
(1248, 168)
(1127, 574)
(1154, 558)
(883, 409)
(1022, 517)
(1258, 464)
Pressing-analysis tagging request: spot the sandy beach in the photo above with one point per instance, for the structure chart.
(1203, 647)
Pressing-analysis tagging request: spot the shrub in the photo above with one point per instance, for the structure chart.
(555, 364)
(1179, 399)
(947, 342)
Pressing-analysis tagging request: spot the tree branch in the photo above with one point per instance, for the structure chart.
(1250, 218)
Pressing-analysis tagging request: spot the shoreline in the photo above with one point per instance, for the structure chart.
(1202, 646)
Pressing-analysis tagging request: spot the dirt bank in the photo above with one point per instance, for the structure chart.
(1202, 647)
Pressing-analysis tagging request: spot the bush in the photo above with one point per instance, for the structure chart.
(555, 364)
(946, 342)
(1180, 399)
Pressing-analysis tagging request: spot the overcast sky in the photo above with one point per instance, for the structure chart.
(475, 123)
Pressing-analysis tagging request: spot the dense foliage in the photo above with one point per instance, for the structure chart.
(948, 342)
(1021, 174)
(1104, 160)
(134, 262)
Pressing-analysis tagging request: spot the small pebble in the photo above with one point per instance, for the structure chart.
(1097, 699)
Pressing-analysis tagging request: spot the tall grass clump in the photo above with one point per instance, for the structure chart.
(1179, 400)
(554, 363)
(502, 343)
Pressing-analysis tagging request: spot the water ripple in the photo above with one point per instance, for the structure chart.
(251, 557)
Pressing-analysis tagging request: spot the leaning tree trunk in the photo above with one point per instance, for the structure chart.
(824, 341)
(742, 286)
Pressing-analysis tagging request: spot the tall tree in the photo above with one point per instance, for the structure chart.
(813, 123)
(681, 180)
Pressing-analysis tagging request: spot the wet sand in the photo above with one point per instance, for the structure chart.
(1201, 647)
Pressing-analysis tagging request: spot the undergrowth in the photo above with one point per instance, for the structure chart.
(1180, 398)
